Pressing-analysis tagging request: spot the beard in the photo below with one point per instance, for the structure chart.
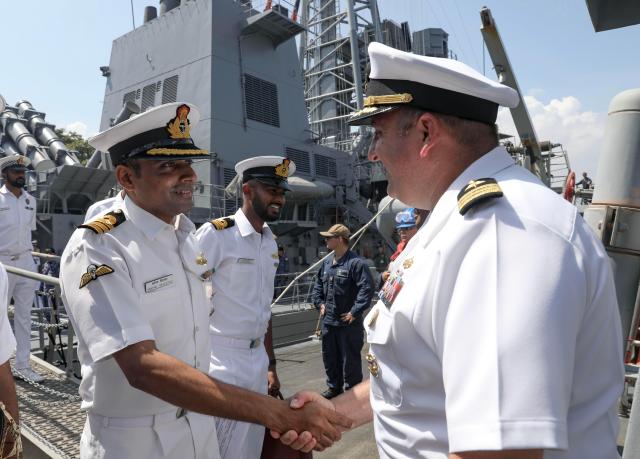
(262, 210)
(18, 182)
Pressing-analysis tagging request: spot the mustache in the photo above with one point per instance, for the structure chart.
(182, 188)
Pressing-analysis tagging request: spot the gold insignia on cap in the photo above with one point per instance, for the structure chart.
(406, 264)
(106, 222)
(364, 111)
(178, 127)
(20, 160)
(200, 259)
(372, 363)
(386, 99)
(282, 170)
(93, 272)
(477, 191)
(223, 223)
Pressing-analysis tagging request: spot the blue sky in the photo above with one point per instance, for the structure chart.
(52, 51)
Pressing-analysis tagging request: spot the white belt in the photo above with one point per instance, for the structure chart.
(142, 421)
(237, 342)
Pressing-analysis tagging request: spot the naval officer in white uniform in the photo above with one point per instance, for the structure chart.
(242, 253)
(7, 386)
(497, 334)
(131, 281)
(17, 221)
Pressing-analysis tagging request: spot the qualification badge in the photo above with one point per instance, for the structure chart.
(372, 363)
(200, 259)
(406, 264)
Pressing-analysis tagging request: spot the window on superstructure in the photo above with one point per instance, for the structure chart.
(261, 100)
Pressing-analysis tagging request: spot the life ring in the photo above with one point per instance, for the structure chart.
(570, 186)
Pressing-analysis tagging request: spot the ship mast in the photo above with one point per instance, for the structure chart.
(333, 55)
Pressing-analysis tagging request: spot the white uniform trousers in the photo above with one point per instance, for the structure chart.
(234, 362)
(161, 436)
(23, 291)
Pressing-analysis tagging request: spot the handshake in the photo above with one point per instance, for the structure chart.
(311, 423)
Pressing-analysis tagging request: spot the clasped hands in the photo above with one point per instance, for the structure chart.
(323, 432)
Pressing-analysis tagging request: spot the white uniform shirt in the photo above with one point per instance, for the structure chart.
(7, 340)
(102, 207)
(17, 220)
(154, 293)
(245, 263)
(505, 333)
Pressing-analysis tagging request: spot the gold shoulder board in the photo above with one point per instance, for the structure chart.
(223, 223)
(477, 191)
(106, 222)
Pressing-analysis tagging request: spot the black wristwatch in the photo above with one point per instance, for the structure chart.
(272, 363)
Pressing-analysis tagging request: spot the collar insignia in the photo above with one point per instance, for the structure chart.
(200, 259)
(93, 272)
(178, 127)
(275, 256)
(223, 223)
(406, 264)
(282, 170)
(477, 191)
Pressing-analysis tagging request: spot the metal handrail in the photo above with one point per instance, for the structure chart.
(31, 275)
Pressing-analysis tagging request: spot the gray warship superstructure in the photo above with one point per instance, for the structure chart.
(263, 91)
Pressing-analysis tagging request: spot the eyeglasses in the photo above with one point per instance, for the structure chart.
(401, 230)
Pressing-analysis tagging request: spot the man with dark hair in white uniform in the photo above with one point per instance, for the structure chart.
(242, 253)
(131, 282)
(497, 334)
(17, 221)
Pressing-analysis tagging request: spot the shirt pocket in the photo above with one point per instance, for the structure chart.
(168, 318)
(243, 281)
(387, 385)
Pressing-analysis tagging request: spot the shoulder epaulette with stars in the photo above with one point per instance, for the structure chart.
(477, 191)
(223, 223)
(106, 222)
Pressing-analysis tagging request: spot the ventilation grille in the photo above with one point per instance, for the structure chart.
(261, 100)
(148, 96)
(300, 158)
(325, 166)
(170, 89)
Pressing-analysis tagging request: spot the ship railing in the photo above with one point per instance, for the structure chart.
(298, 297)
(284, 7)
(55, 332)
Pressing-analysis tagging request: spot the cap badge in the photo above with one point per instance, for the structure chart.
(282, 170)
(20, 161)
(407, 263)
(93, 272)
(200, 259)
(178, 127)
(386, 99)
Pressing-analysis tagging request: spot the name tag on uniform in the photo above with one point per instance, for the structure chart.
(4, 208)
(342, 273)
(245, 261)
(157, 284)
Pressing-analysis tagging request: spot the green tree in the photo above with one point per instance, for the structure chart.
(75, 141)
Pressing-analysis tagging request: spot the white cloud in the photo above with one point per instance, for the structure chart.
(78, 127)
(564, 121)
